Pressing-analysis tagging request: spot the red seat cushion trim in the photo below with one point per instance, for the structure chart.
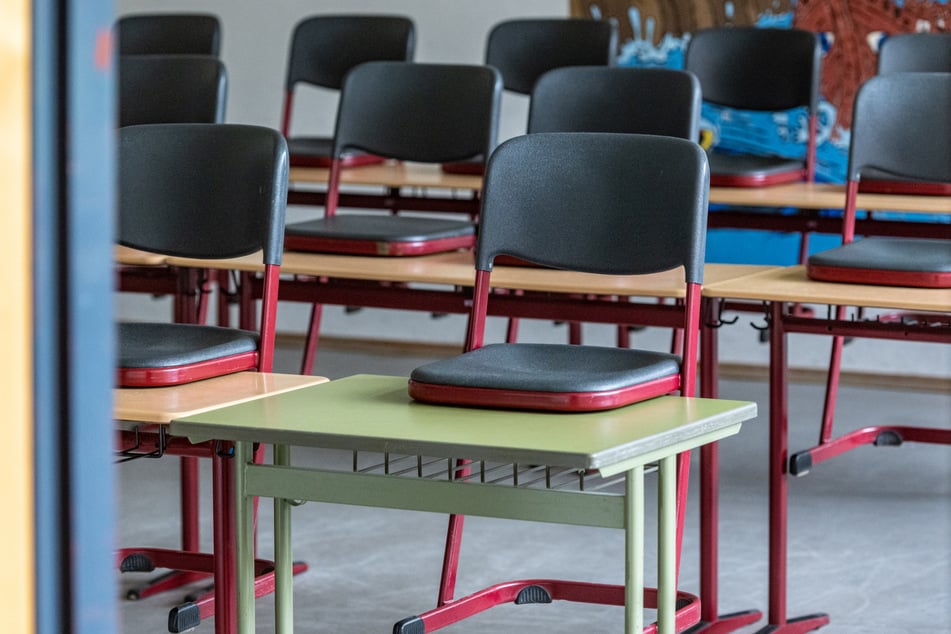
(550, 401)
(918, 188)
(176, 375)
(883, 277)
(375, 247)
(474, 168)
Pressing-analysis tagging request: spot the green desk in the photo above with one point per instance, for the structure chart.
(374, 413)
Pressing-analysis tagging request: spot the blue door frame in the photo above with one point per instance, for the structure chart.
(73, 174)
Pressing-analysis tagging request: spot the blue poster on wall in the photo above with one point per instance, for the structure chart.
(781, 134)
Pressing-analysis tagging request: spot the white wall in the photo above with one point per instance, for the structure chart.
(255, 38)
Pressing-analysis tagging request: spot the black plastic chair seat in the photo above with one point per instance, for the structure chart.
(379, 235)
(744, 170)
(546, 368)
(316, 152)
(165, 345)
(885, 260)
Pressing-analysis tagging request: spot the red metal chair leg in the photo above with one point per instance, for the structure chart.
(310, 346)
(541, 591)
(879, 435)
(188, 615)
(190, 537)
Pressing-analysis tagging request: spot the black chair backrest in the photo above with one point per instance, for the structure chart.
(169, 34)
(619, 204)
(901, 125)
(915, 53)
(756, 69)
(615, 99)
(430, 113)
(524, 50)
(325, 47)
(203, 190)
(171, 89)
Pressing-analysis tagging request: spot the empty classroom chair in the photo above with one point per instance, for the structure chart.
(323, 50)
(619, 204)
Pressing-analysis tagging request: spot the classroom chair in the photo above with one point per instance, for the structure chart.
(323, 50)
(203, 191)
(525, 49)
(916, 53)
(900, 129)
(170, 89)
(903, 53)
(613, 99)
(200, 191)
(409, 112)
(750, 68)
(169, 34)
(617, 204)
(759, 69)
(427, 113)
(158, 89)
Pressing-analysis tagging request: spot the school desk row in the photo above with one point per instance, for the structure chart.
(424, 187)
(554, 294)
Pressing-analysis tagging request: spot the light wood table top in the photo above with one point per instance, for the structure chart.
(390, 174)
(825, 196)
(457, 269)
(801, 195)
(790, 284)
(135, 257)
(164, 404)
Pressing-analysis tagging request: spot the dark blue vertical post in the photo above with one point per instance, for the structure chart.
(73, 218)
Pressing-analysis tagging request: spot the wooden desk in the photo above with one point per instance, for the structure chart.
(390, 174)
(416, 186)
(780, 289)
(329, 279)
(142, 415)
(375, 414)
(134, 257)
(165, 404)
(803, 196)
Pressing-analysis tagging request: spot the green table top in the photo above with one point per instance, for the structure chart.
(375, 413)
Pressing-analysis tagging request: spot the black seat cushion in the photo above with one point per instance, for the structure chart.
(549, 368)
(380, 228)
(897, 254)
(164, 345)
(726, 164)
(892, 261)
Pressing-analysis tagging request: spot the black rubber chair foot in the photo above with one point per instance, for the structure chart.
(888, 439)
(410, 625)
(800, 464)
(532, 594)
(137, 562)
(184, 617)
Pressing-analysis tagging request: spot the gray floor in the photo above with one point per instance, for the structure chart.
(869, 542)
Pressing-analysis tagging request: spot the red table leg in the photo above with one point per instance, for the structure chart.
(710, 621)
(778, 491)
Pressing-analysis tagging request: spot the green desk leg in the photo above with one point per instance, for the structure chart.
(634, 551)
(283, 562)
(244, 539)
(667, 545)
